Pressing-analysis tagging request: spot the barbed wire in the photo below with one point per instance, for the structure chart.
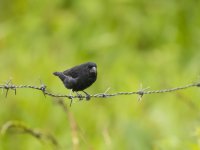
(10, 86)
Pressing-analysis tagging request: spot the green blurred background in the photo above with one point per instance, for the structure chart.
(153, 43)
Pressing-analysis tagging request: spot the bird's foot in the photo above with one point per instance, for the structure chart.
(80, 97)
(87, 96)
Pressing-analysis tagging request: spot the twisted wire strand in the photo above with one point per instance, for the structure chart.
(141, 92)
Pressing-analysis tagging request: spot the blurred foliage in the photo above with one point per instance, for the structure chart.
(154, 43)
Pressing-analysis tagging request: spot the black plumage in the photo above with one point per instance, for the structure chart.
(79, 77)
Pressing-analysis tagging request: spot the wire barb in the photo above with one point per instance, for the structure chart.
(43, 88)
(8, 86)
(141, 93)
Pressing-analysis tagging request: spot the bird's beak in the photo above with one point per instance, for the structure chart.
(93, 70)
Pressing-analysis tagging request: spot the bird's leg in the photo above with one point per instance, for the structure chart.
(79, 96)
(87, 96)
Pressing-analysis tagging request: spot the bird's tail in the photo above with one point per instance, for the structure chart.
(60, 75)
(57, 73)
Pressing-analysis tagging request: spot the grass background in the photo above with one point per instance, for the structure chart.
(154, 43)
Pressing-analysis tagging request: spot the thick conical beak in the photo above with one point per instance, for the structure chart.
(93, 70)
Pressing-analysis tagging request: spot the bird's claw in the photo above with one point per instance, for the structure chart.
(79, 96)
(87, 96)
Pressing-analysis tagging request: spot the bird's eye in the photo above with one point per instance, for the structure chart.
(89, 66)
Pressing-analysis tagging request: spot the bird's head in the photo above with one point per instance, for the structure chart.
(92, 67)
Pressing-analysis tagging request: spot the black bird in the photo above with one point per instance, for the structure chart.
(79, 77)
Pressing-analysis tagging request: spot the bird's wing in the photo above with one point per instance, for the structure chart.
(70, 82)
(73, 72)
